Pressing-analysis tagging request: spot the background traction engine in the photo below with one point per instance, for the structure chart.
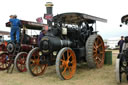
(16, 53)
(69, 40)
(122, 58)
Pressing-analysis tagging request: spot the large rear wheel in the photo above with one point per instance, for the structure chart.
(66, 63)
(34, 63)
(20, 61)
(95, 51)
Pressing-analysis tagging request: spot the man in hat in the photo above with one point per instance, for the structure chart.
(42, 33)
(15, 28)
(11, 16)
(120, 43)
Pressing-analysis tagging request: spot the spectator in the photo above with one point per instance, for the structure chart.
(42, 33)
(120, 43)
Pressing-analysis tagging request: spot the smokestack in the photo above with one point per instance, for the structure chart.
(49, 12)
(49, 7)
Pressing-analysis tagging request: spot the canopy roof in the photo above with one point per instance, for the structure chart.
(124, 19)
(29, 25)
(75, 18)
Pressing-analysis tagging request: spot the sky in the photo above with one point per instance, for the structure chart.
(29, 10)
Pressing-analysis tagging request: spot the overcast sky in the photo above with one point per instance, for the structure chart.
(112, 10)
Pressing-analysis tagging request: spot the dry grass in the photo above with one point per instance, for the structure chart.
(83, 76)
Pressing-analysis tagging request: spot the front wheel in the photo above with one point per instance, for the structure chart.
(20, 62)
(66, 63)
(34, 63)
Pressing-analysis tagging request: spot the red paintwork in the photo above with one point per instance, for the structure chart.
(33, 41)
(3, 46)
(25, 48)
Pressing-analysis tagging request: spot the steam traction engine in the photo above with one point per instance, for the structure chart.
(122, 58)
(16, 54)
(69, 40)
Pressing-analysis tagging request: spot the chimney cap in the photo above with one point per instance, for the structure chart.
(49, 4)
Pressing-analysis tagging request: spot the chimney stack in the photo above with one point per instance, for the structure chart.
(49, 12)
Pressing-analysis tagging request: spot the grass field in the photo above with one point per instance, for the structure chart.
(83, 76)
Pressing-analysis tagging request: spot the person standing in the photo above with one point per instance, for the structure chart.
(42, 34)
(15, 28)
(120, 43)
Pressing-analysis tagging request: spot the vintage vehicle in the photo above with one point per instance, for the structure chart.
(122, 58)
(16, 54)
(3, 41)
(70, 39)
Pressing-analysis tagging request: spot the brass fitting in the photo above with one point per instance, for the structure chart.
(49, 4)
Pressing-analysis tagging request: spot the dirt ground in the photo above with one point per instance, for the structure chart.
(83, 76)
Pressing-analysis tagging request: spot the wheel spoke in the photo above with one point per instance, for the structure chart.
(94, 51)
(64, 70)
(69, 56)
(61, 66)
(95, 55)
(21, 66)
(62, 60)
(70, 69)
(99, 45)
(71, 61)
(101, 52)
(41, 67)
(99, 59)
(95, 47)
(63, 56)
(35, 68)
(97, 40)
(95, 44)
(32, 63)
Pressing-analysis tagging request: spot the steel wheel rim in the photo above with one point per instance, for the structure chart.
(118, 76)
(121, 68)
(5, 61)
(120, 72)
(21, 62)
(98, 52)
(67, 70)
(35, 67)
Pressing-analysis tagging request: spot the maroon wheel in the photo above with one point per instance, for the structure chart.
(35, 63)
(5, 61)
(20, 62)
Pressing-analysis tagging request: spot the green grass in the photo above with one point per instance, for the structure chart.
(83, 76)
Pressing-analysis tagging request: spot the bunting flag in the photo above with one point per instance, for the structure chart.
(39, 20)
